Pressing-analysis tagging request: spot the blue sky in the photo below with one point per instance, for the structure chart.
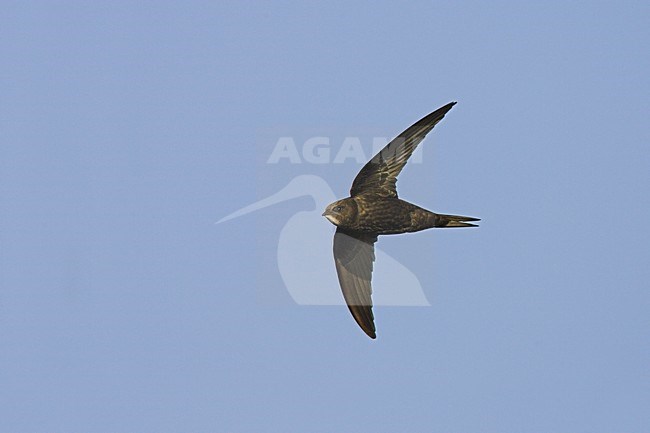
(128, 129)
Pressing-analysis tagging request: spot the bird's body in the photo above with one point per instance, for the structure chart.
(379, 215)
(374, 209)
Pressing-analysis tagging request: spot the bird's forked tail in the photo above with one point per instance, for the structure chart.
(454, 221)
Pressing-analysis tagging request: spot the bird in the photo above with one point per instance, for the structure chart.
(374, 209)
(308, 281)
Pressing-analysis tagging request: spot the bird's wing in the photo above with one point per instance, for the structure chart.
(379, 175)
(354, 254)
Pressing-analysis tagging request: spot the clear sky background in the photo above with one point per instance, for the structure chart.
(127, 129)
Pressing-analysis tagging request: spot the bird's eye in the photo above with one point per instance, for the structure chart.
(337, 208)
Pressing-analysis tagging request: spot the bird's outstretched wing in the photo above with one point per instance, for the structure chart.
(379, 175)
(354, 254)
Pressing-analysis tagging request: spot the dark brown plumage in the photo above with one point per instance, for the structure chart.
(374, 209)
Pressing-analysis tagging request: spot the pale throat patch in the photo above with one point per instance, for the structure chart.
(333, 219)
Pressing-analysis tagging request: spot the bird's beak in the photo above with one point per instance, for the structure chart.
(331, 217)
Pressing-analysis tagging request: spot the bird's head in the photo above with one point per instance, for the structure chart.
(341, 213)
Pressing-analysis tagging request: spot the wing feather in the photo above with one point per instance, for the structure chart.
(379, 175)
(354, 254)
